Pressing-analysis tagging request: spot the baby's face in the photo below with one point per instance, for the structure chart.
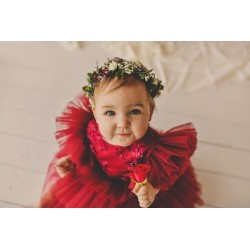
(123, 114)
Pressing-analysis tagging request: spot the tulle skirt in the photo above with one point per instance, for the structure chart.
(93, 189)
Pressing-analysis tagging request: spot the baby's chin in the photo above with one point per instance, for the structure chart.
(121, 141)
(124, 144)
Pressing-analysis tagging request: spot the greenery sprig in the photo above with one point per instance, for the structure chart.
(118, 67)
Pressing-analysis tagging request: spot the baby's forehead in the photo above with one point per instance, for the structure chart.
(118, 89)
(123, 95)
(122, 101)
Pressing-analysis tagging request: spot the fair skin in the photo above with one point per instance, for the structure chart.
(123, 115)
(63, 166)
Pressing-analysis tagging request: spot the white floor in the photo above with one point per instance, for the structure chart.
(37, 79)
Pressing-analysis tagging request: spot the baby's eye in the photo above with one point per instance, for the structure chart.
(135, 112)
(109, 113)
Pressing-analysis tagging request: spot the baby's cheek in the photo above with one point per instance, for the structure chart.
(139, 134)
(107, 132)
(143, 129)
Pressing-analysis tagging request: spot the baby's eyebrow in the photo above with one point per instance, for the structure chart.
(136, 105)
(129, 106)
(107, 107)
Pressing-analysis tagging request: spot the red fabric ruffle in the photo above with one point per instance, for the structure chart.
(171, 155)
(87, 185)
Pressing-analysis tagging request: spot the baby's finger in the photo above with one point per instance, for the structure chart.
(145, 204)
(63, 162)
(136, 188)
(144, 198)
(61, 172)
(143, 191)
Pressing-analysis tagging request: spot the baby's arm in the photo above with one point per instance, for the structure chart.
(145, 194)
(63, 166)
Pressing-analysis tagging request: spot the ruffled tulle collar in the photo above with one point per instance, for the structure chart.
(116, 161)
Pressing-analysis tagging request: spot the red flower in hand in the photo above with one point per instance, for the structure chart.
(139, 175)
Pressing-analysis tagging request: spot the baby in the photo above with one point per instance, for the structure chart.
(107, 144)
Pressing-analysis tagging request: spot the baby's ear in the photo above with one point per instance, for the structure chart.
(92, 105)
(93, 109)
(152, 108)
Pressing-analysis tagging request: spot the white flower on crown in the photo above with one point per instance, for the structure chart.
(128, 68)
(128, 71)
(155, 81)
(112, 66)
(146, 78)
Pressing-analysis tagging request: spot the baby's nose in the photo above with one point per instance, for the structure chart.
(123, 122)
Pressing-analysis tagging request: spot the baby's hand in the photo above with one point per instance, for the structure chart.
(63, 166)
(145, 194)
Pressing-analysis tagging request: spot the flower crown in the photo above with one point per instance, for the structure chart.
(118, 67)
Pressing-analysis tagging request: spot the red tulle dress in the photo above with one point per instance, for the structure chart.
(99, 178)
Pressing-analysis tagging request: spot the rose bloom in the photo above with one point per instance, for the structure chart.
(140, 173)
(105, 71)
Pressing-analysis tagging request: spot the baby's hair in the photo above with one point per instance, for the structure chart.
(111, 83)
